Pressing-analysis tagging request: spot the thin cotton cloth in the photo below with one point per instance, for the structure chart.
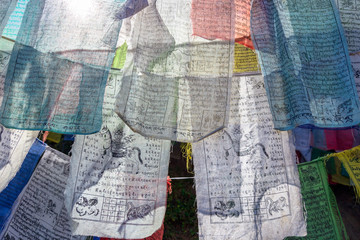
(39, 211)
(323, 216)
(176, 85)
(247, 184)
(304, 59)
(210, 20)
(117, 183)
(60, 63)
(15, 144)
(16, 185)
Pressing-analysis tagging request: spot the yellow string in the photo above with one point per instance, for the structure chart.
(186, 150)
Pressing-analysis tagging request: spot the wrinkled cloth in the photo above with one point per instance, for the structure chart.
(323, 216)
(210, 20)
(304, 59)
(175, 84)
(14, 145)
(16, 185)
(351, 162)
(118, 179)
(60, 63)
(247, 184)
(39, 211)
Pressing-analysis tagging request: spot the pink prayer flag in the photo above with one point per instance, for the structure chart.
(225, 20)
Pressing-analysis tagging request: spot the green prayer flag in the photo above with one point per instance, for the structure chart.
(323, 217)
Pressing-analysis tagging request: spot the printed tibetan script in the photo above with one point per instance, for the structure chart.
(350, 20)
(323, 216)
(58, 69)
(40, 212)
(117, 183)
(175, 84)
(247, 183)
(304, 60)
(16, 185)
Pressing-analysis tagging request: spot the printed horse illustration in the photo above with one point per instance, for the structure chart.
(118, 147)
(241, 143)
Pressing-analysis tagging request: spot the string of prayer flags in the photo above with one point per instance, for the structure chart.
(323, 217)
(247, 184)
(12, 191)
(175, 84)
(350, 20)
(39, 212)
(58, 70)
(118, 179)
(304, 59)
(6, 8)
(232, 20)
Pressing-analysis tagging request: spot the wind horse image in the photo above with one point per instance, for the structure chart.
(119, 148)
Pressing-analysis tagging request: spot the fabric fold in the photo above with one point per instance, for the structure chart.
(175, 84)
(117, 183)
(305, 62)
(247, 185)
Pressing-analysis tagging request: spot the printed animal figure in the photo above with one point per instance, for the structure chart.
(138, 212)
(224, 210)
(276, 206)
(85, 206)
(343, 110)
(242, 143)
(120, 151)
